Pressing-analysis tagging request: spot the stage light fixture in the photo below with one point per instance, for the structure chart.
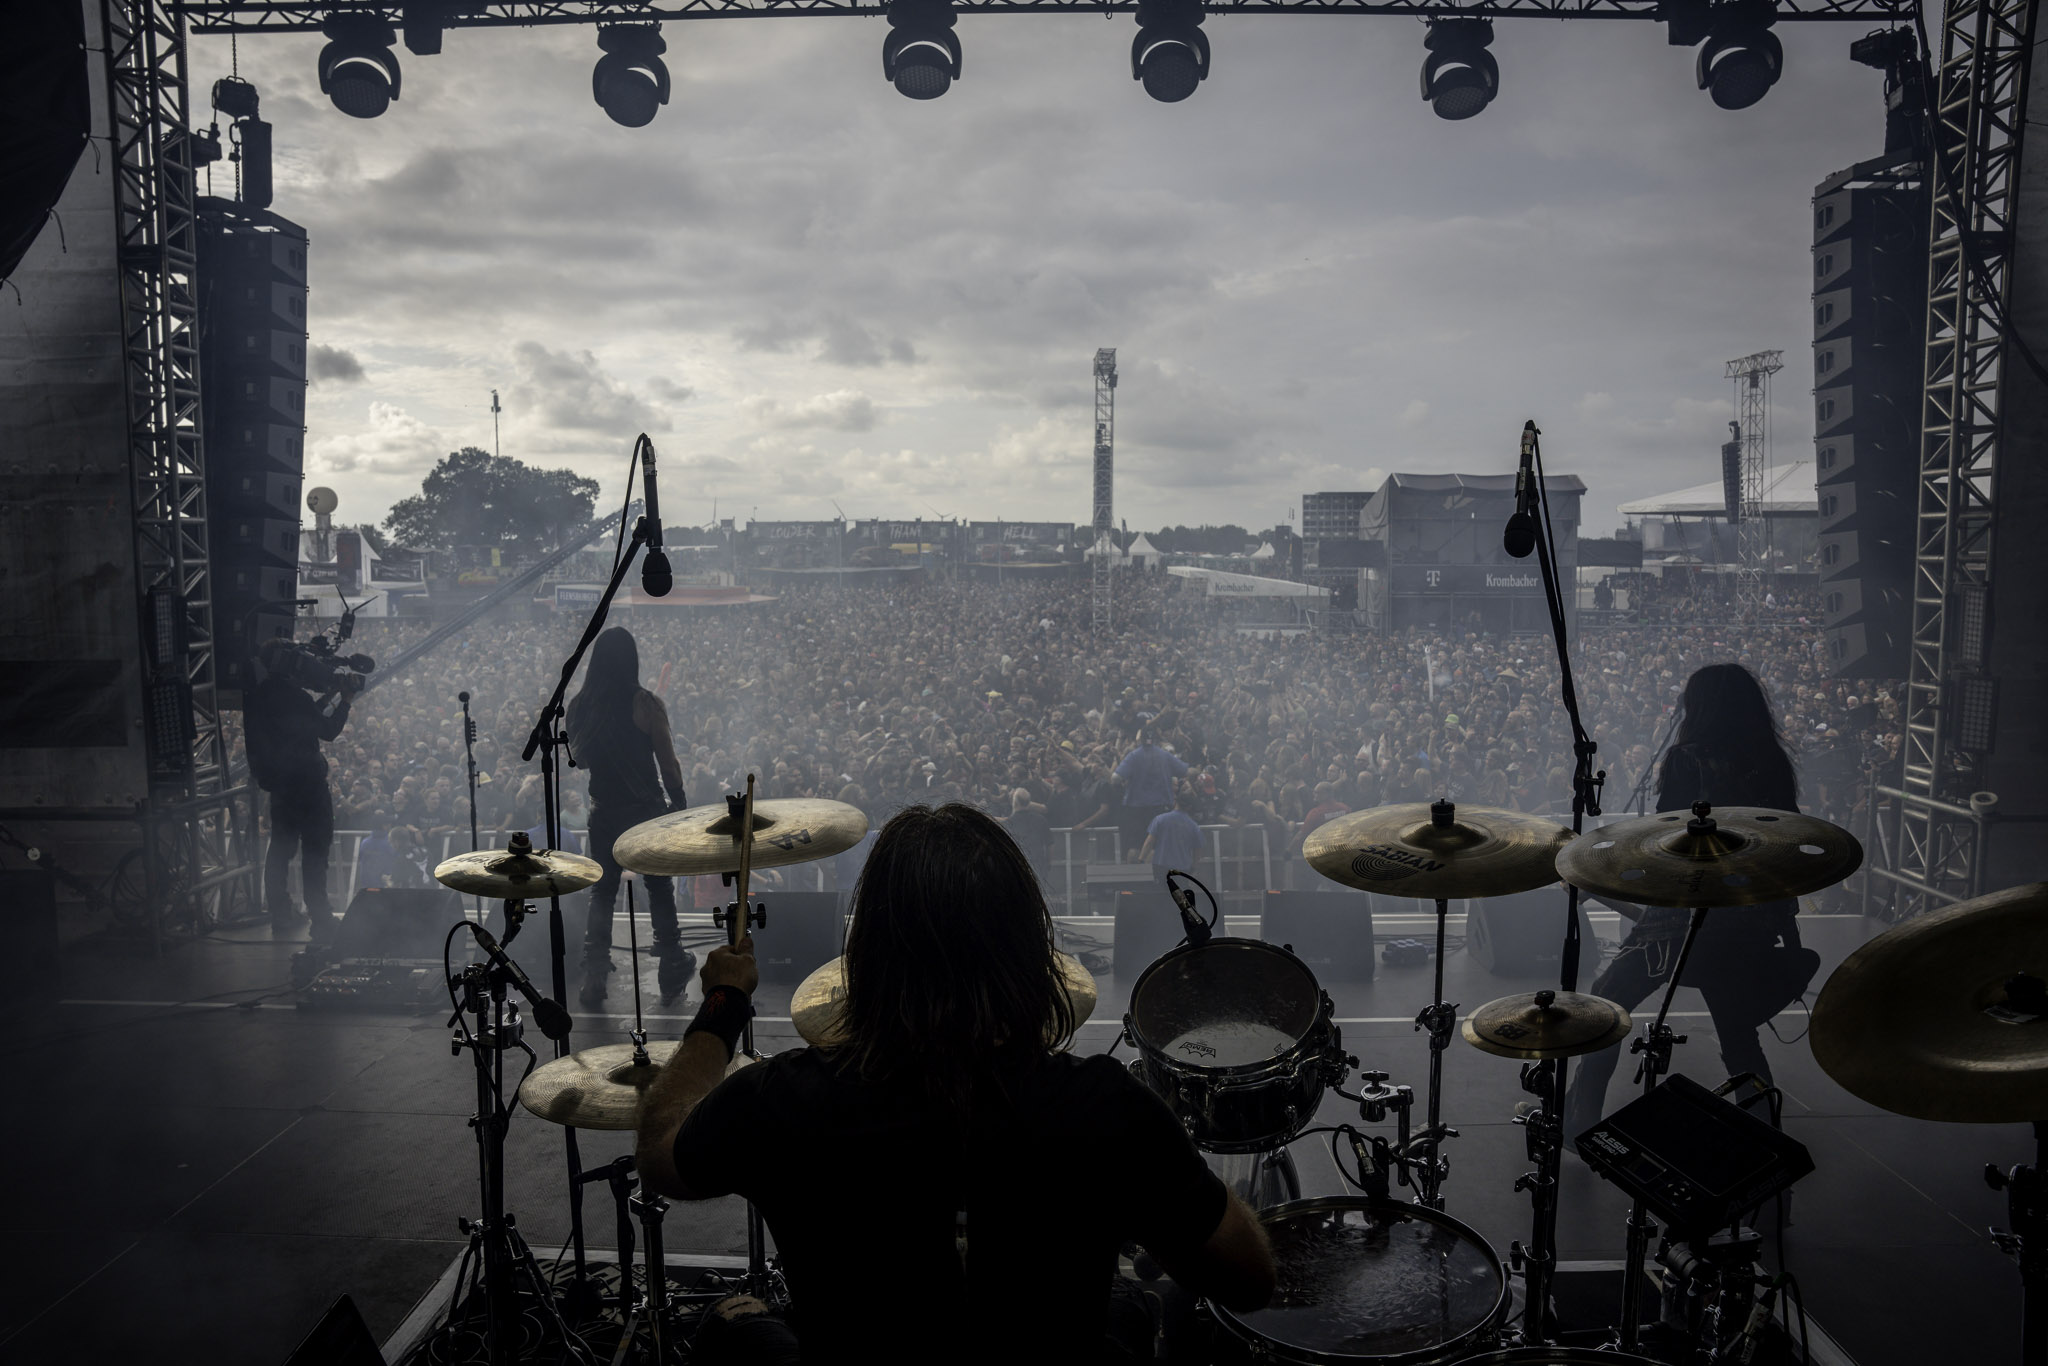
(1742, 58)
(1170, 55)
(631, 82)
(358, 69)
(921, 55)
(1459, 77)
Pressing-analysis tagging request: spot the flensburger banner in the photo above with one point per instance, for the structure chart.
(1467, 579)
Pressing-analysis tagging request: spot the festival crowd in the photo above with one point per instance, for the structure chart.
(1005, 697)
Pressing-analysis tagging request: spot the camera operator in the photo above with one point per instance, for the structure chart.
(284, 727)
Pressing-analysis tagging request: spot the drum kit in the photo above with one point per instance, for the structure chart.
(1241, 1042)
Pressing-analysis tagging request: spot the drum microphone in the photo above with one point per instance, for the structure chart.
(1198, 930)
(552, 1019)
(655, 576)
(1520, 536)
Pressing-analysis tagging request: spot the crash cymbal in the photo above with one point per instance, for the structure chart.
(518, 875)
(1714, 856)
(1546, 1024)
(1946, 1016)
(815, 1007)
(1437, 850)
(704, 839)
(599, 1088)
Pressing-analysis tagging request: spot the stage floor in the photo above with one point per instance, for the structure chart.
(195, 1179)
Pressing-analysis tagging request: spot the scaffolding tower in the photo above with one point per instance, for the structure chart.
(1105, 484)
(1752, 377)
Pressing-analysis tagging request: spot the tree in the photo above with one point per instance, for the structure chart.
(1228, 539)
(476, 498)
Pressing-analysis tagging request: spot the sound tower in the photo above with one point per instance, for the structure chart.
(252, 369)
(1869, 354)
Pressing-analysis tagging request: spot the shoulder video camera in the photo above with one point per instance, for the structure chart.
(318, 665)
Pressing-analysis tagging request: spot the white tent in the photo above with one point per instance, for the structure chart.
(1265, 552)
(1788, 492)
(1105, 548)
(1220, 584)
(1143, 553)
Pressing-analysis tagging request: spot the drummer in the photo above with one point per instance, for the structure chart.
(942, 1139)
(1747, 962)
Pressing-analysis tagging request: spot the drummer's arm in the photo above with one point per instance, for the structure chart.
(697, 1065)
(1233, 1266)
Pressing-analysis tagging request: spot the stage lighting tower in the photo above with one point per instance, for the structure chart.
(1742, 58)
(1170, 55)
(921, 55)
(630, 82)
(358, 69)
(1459, 77)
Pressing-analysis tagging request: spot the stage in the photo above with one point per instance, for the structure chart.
(268, 1158)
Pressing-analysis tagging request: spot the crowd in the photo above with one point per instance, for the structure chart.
(1003, 696)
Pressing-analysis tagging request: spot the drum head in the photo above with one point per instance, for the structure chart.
(1229, 1003)
(1555, 1356)
(1362, 1278)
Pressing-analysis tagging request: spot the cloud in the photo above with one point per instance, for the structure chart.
(842, 410)
(668, 390)
(569, 391)
(1414, 415)
(392, 441)
(840, 340)
(331, 364)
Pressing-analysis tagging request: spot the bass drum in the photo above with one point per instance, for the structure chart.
(1373, 1281)
(1236, 1036)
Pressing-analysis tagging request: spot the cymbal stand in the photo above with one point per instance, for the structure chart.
(494, 1236)
(2026, 1194)
(737, 920)
(1544, 1132)
(548, 736)
(1439, 1019)
(1654, 1044)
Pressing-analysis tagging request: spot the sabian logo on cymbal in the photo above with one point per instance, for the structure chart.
(1391, 863)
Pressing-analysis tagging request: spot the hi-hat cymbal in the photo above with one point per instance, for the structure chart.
(599, 1088)
(814, 1009)
(705, 839)
(1946, 1016)
(1546, 1024)
(522, 876)
(1714, 856)
(1436, 850)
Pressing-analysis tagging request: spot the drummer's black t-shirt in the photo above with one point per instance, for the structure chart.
(861, 1185)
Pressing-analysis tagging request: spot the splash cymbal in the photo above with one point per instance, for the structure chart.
(1437, 850)
(518, 874)
(1716, 856)
(599, 1088)
(1546, 1024)
(706, 839)
(1946, 1016)
(814, 1009)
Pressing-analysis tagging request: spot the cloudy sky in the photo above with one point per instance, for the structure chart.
(810, 289)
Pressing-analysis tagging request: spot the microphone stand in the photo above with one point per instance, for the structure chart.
(549, 735)
(469, 758)
(1547, 1079)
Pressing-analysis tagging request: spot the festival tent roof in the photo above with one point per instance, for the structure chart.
(1265, 551)
(1222, 584)
(1142, 546)
(1788, 492)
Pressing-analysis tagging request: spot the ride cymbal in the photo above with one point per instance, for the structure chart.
(1437, 850)
(814, 1009)
(518, 874)
(706, 839)
(599, 1088)
(1716, 856)
(1546, 1024)
(1946, 1016)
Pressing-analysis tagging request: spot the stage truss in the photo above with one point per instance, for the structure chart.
(1980, 103)
(1103, 520)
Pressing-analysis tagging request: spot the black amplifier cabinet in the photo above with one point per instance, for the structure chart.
(1695, 1159)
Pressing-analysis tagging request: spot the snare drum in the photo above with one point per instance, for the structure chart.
(1237, 1037)
(1373, 1281)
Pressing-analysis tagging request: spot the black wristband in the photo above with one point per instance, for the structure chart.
(725, 1013)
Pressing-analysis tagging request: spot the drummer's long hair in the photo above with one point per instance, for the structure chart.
(951, 976)
(1727, 737)
(614, 672)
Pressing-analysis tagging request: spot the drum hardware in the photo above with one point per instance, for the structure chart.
(1745, 856)
(1942, 1018)
(1378, 1159)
